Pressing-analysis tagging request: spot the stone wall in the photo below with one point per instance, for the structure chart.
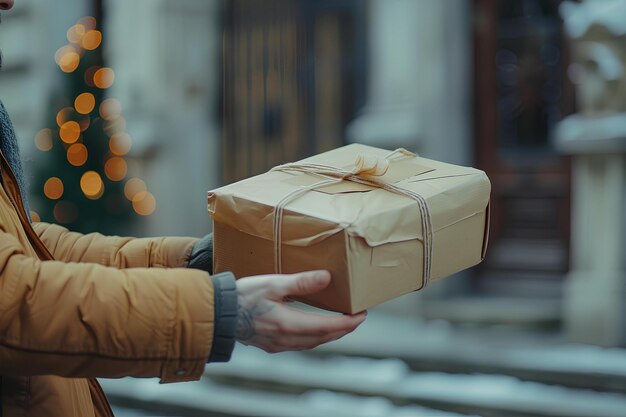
(167, 59)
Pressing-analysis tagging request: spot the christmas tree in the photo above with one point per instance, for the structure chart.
(83, 170)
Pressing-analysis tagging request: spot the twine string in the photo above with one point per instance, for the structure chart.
(362, 173)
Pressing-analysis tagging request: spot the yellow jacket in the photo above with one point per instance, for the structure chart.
(74, 307)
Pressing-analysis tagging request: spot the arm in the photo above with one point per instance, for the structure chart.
(125, 252)
(88, 320)
(120, 252)
(79, 320)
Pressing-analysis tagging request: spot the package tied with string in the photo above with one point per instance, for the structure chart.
(383, 223)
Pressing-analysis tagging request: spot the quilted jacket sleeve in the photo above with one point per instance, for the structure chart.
(88, 320)
(120, 252)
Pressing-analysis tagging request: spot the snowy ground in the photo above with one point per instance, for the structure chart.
(372, 373)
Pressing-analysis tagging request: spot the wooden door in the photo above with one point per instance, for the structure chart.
(293, 76)
(521, 92)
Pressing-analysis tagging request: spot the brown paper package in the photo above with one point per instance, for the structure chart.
(370, 239)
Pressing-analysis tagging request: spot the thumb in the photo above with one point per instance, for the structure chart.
(303, 283)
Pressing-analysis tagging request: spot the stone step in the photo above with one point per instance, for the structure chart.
(498, 310)
(141, 397)
(528, 355)
(485, 395)
(540, 255)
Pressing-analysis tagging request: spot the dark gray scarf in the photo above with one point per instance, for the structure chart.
(8, 144)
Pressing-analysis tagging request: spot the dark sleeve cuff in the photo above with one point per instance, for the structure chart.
(225, 291)
(201, 256)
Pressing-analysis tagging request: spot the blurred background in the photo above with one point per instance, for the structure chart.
(128, 112)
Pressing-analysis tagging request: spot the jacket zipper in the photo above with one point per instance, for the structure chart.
(101, 395)
(21, 211)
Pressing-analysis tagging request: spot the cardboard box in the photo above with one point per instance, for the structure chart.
(377, 243)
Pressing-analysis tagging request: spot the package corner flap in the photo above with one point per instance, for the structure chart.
(486, 232)
(211, 202)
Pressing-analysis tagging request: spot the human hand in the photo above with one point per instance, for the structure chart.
(265, 321)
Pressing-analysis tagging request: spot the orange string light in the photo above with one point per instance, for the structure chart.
(85, 103)
(77, 154)
(91, 184)
(53, 188)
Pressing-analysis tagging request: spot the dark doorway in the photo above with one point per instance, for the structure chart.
(521, 92)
